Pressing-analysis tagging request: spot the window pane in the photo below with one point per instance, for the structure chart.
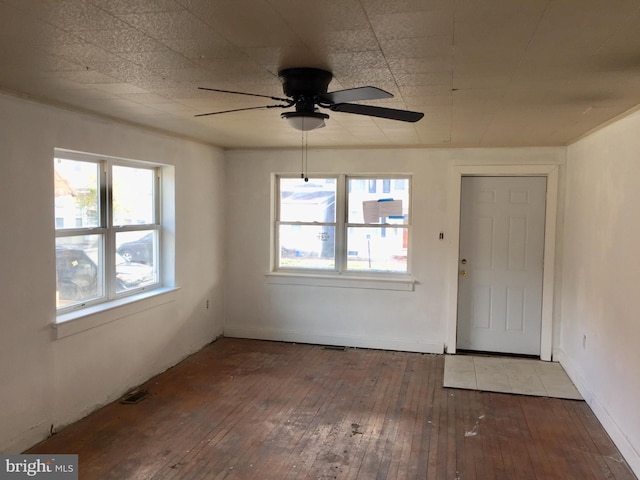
(368, 207)
(136, 254)
(307, 246)
(133, 202)
(400, 184)
(79, 269)
(312, 201)
(356, 185)
(76, 194)
(382, 249)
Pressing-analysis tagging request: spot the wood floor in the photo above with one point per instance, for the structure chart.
(245, 409)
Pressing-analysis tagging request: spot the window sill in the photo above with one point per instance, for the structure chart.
(79, 321)
(405, 284)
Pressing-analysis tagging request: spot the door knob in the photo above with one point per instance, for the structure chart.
(463, 273)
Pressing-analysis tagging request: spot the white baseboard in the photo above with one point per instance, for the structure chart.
(628, 451)
(358, 341)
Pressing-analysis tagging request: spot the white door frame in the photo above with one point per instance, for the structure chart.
(549, 171)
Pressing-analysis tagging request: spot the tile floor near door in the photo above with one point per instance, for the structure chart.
(508, 375)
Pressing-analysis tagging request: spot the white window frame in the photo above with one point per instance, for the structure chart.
(280, 274)
(108, 231)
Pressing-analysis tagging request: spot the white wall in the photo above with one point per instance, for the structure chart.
(46, 381)
(403, 320)
(600, 334)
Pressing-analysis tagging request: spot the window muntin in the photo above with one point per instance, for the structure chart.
(365, 230)
(107, 229)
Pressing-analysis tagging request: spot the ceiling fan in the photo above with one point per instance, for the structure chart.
(306, 90)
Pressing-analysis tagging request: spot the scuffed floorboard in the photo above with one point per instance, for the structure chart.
(248, 409)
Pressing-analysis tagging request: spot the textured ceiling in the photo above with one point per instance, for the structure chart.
(484, 72)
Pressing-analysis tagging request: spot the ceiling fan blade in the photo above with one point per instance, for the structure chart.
(372, 111)
(240, 110)
(355, 95)
(245, 93)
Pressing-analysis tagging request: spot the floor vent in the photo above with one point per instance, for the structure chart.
(134, 397)
(334, 347)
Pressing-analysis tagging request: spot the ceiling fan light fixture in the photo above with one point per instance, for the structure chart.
(305, 121)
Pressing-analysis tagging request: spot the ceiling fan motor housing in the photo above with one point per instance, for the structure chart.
(304, 85)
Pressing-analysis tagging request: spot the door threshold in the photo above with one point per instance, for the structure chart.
(478, 353)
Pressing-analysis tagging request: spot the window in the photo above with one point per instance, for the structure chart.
(107, 229)
(336, 224)
(378, 228)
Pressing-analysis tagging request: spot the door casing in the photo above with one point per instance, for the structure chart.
(551, 172)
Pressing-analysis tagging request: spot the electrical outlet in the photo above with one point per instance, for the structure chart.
(584, 341)
(207, 304)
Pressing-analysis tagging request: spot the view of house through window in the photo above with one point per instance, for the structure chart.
(378, 225)
(107, 229)
(343, 223)
(307, 223)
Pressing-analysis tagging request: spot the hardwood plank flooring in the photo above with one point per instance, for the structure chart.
(249, 409)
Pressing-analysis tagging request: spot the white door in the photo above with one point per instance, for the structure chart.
(502, 223)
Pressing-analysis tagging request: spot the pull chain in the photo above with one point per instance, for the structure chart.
(304, 145)
(306, 156)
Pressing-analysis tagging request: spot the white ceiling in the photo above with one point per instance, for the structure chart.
(484, 72)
